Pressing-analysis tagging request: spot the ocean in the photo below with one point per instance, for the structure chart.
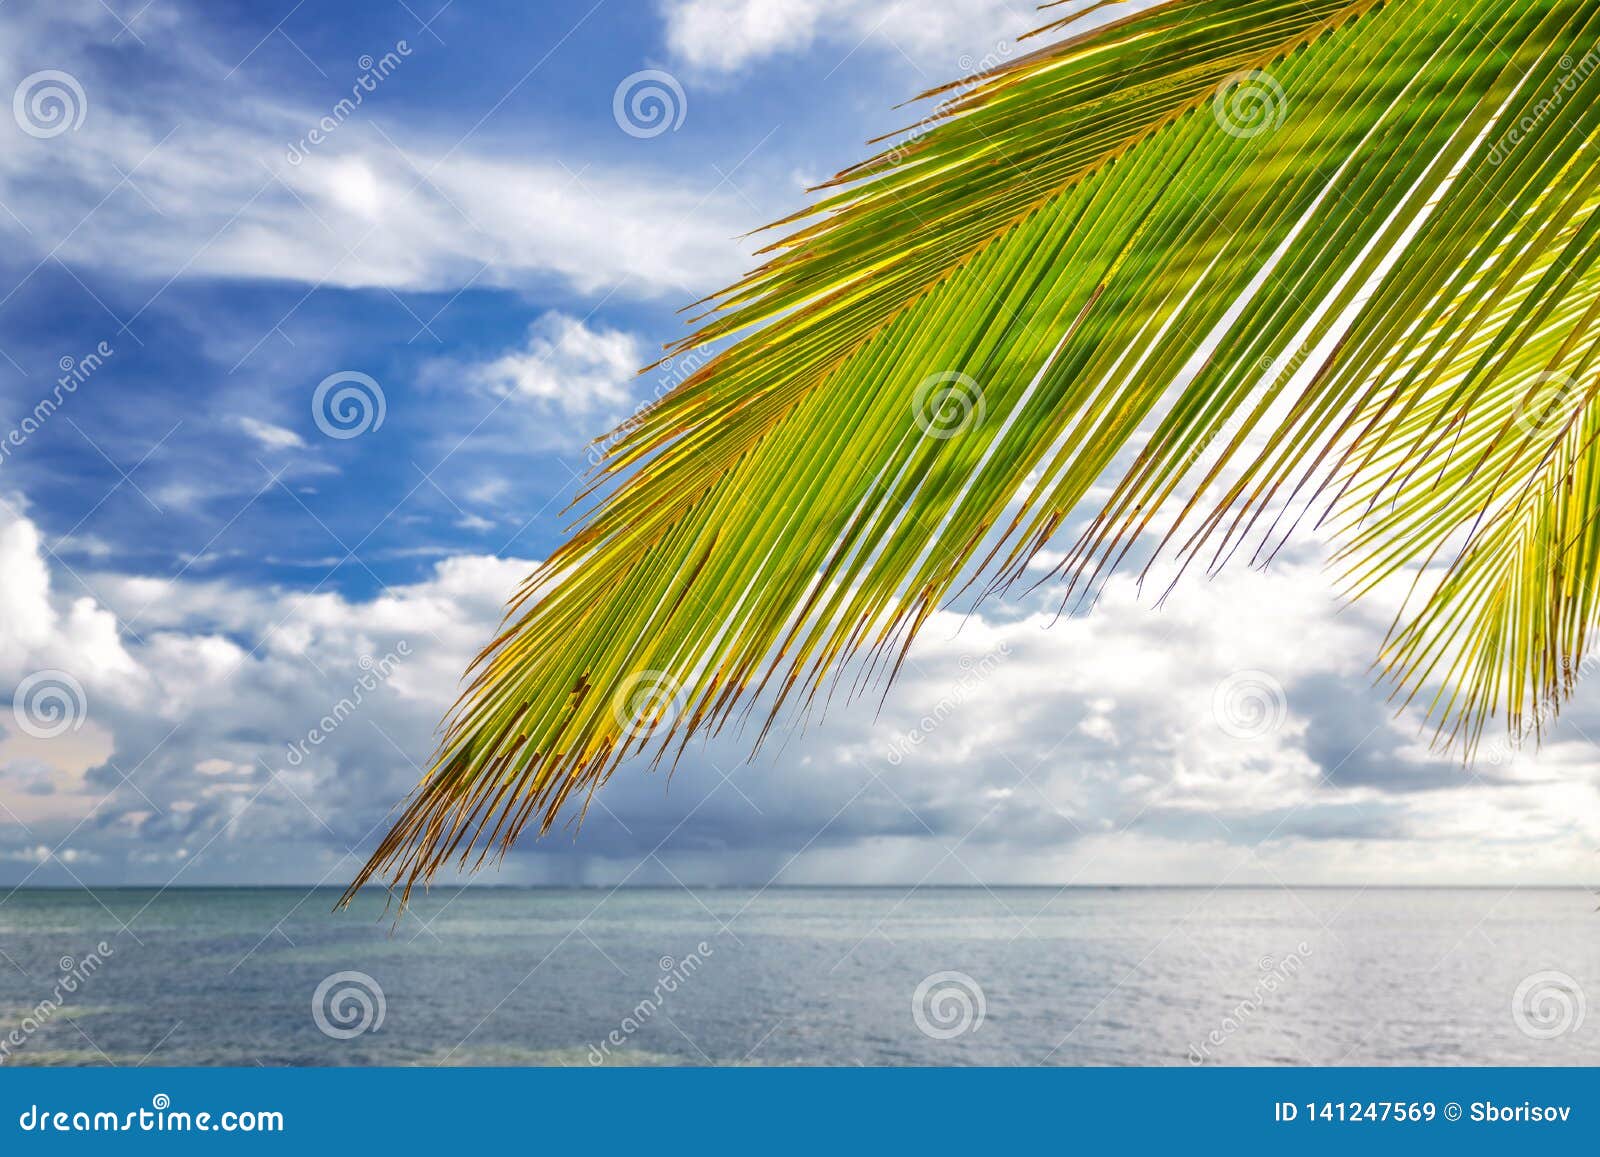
(808, 976)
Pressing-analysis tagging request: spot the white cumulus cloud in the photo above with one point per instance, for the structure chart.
(259, 734)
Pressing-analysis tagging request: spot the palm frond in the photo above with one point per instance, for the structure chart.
(1280, 253)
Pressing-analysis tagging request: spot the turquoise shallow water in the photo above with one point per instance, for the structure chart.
(805, 976)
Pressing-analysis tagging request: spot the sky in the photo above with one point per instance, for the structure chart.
(307, 318)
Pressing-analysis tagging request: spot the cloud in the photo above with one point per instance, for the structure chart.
(271, 437)
(232, 730)
(566, 382)
(260, 734)
(201, 177)
(184, 738)
(35, 630)
(728, 35)
(564, 366)
(939, 41)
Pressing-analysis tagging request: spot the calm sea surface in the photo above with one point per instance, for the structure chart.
(805, 976)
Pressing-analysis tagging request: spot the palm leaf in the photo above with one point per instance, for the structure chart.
(1251, 259)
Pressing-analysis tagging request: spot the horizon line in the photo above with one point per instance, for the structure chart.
(493, 887)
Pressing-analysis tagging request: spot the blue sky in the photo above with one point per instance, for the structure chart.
(241, 334)
(483, 239)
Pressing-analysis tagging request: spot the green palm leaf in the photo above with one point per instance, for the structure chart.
(1254, 258)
